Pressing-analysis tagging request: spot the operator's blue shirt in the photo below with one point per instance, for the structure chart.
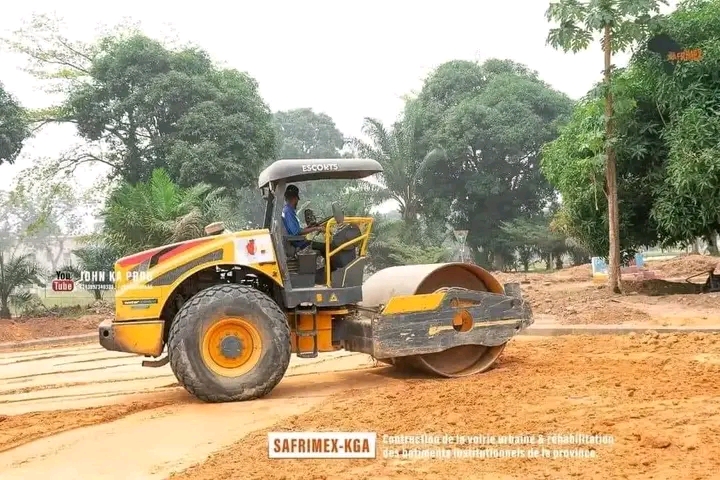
(292, 225)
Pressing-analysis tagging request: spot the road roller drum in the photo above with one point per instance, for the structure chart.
(449, 320)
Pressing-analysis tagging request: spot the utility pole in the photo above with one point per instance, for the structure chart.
(461, 237)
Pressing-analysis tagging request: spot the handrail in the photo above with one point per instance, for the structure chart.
(361, 222)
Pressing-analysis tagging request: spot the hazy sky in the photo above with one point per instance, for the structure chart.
(347, 59)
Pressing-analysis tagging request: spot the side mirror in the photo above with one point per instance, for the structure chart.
(338, 214)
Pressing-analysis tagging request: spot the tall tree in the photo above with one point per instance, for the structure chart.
(14, 127)
(397, 151)
(620, 23)
(144, 106)
(490, 120)
(302, 133)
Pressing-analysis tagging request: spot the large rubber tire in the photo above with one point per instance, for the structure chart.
(209, 306)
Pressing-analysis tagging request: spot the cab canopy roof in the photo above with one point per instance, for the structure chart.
(298, 170)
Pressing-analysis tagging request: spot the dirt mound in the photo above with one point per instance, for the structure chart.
(21, 329)
(684, 265)
(579, 273)
(581, 304)
(573, 274)
(657, 287)
(622, 389)
(681, 266)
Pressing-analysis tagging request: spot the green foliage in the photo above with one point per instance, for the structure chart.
(14, 127)
(402, 159)
(490, 122)
(531, 237)
(686, 200)
(575, 165)
(97, 257)
(159, 212)
(174, 109)
(305, 134)
(621, 23)
(666, 144)
(145, 106)
(41, 212)
(579, 22)
(394, 243)
(16, 272)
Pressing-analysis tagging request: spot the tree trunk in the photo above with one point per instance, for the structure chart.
(611, 175)
(559, 262)
(712, 246)
(695, 247)
(5, 311)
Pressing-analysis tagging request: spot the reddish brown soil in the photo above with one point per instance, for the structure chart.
(569, 296)
(684, 265)
(656, 396)
(17, 430)
(19, 329)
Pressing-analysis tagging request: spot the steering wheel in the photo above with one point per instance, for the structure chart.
(311, 220)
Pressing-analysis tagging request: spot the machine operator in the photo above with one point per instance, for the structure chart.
(292, 222)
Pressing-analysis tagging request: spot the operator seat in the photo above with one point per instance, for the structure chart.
(344, 234)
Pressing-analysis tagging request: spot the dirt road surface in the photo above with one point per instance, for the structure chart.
(71, 410)
(82, 412)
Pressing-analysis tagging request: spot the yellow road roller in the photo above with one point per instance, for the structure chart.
(231, 308)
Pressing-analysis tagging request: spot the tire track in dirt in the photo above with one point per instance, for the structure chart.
(189, 430)
(18, 430)
(91, 369)
(58, 386)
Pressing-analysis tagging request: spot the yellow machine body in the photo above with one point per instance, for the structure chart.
(146, 282)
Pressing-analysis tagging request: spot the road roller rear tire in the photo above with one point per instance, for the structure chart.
(229, 343)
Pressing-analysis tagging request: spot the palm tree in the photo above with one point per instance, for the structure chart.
(396, 150)
(95, 257)
(147, 215)
(16, 271)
